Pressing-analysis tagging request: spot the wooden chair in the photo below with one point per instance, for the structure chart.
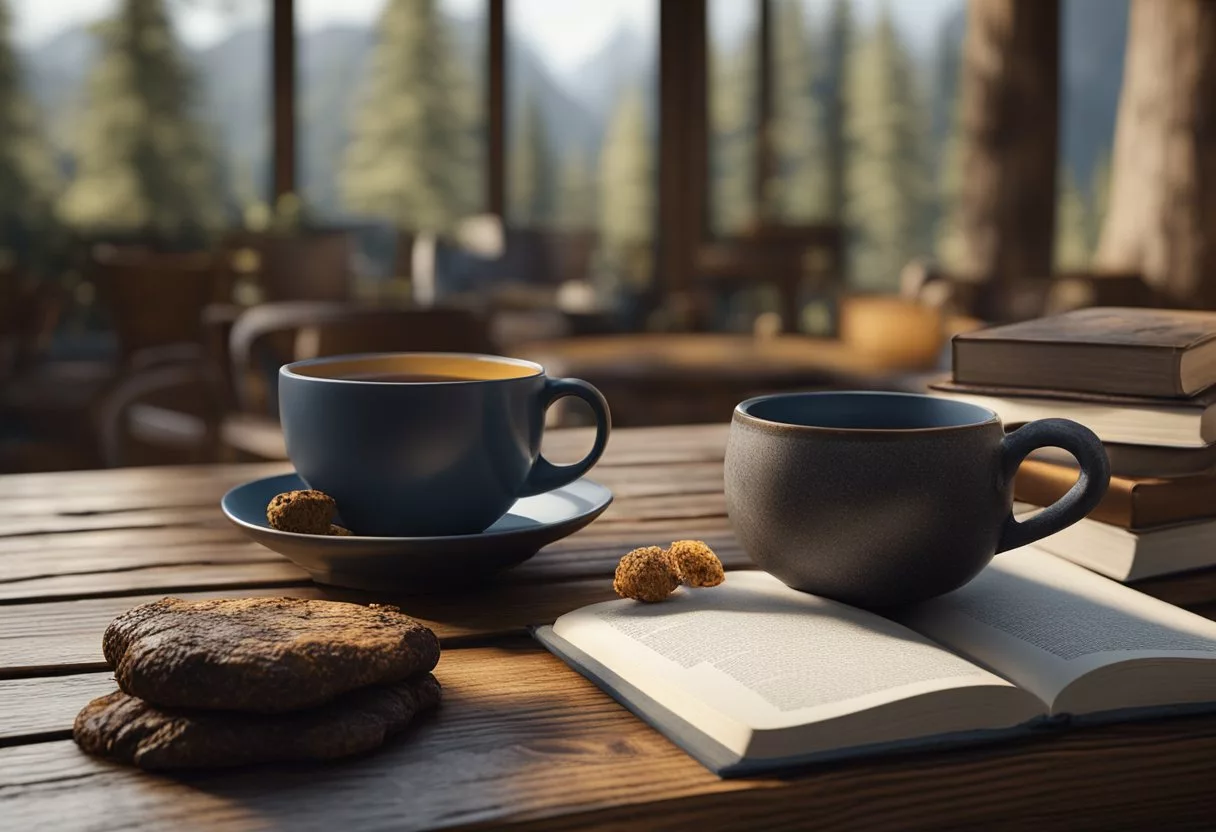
(163, 414)
(791, 259)
(313, 265)
(156, 299)
(1076, 290)
(268, 336)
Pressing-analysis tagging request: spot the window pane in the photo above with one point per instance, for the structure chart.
(734, 92)
(861, 99)
(1092, 43)
(392, 110)
(582, 142)
(154, 113)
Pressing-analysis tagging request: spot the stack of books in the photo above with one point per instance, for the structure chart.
(1143, 380)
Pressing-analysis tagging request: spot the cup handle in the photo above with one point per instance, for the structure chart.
(1080, 500)
(545, 475)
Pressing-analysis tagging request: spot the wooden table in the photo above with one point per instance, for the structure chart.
(668, 379)
(521, 740)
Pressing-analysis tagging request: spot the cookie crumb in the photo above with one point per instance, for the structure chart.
(338, 531)
(695, 563)
(646, 575)
(302, 512)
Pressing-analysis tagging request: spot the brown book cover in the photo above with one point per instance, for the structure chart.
(1164, 353)
(1143, 460)
(1130, 503)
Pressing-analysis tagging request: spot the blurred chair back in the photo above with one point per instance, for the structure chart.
(268, 336)
(169, 414)
(156, 299)
(313, 266)
(791, 259)
(1077, 290)
(29, 314)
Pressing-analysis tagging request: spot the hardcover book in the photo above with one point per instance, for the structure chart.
(1163, 353)
(1133, 420)
(1130, 502)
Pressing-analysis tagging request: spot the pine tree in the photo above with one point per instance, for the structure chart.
(888, 188)
(733, 87)
(409, 157)
(800, 191)
(531, 181)
(627, 192)
(576, 193)
(27, 168)
(144, 164)
(832, 93)
(949, 244)
(1072, 248)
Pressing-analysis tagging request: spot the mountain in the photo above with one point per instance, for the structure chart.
(626, 58)
(54, 73)
(235, 107)
(576, 107)
(1095, 36)
(235, 100)
(570, 121)
(332, 64)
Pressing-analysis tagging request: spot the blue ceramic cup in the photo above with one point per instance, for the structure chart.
(880, 499)
(426, 444)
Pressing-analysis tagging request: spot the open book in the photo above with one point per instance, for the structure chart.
(752, 675)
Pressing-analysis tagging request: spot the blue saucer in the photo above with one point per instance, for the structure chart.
(412, 563)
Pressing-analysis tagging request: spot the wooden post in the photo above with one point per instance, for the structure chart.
(1010, 126)
(283, 105)
(765, 162)
(683, 142)
(1162, 215)
(496, 98)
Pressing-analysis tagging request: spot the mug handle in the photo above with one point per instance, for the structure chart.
(1080, 500)
(545, 475)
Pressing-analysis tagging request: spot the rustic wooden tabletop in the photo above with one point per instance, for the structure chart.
(521, 740)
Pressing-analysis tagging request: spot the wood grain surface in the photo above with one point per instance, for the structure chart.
(521, 740)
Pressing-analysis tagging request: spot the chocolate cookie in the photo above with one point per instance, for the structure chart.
(302, 512)
(266, 655)
(129, 730)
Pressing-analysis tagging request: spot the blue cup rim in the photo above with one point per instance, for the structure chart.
(982, 416)
(290, 370)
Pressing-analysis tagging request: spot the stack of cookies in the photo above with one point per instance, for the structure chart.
(255, 680)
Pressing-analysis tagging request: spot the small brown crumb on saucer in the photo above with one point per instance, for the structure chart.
(695, 563)
(645, 574)
(302, 512)
(338, 531)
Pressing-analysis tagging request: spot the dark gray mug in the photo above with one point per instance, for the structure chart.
(422, 444)
(878, 499)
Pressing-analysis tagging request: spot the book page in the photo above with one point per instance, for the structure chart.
(764, 656)
(1045, 623)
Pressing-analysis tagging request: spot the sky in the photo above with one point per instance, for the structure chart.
(564, 32)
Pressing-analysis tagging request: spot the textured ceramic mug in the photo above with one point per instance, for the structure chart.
(447, 452)
(878, 499)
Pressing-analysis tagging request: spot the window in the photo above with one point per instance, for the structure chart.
(176, 157)
(582, 145)
(1092, 43)
(391, 111)
(858, 97)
